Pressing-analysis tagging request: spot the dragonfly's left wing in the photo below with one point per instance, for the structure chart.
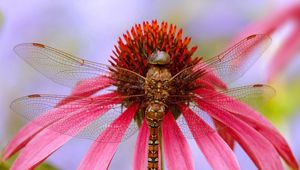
(82, 117)
(66, 69)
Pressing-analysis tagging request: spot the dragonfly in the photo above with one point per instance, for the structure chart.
(156, 91)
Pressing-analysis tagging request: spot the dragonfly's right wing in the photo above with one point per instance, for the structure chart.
(234, 62)
(230, 64)
(66, 69)
(251, 94)
(79, 117)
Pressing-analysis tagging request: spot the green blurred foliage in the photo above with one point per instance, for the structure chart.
(209, 49)
(284, 104)
(1, 20)
(6, 165)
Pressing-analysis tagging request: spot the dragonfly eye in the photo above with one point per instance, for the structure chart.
(159, 58)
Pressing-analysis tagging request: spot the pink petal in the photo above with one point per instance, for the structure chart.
(50, 139)
(39, 149)
(177, 152)
(87, 88)
(284, 54)
(205, 84)
(37, 125)
(25, 135)
(101, 154)
(216, 151)
(141, 148)
(276, 139)
(34, 127)
(213, 79)
(91, 85)
(272, 24)
(224, 133)
(260, 150)
(210, 77)
(258, 122)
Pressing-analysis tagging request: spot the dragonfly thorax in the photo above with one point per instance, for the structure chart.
(157, 89)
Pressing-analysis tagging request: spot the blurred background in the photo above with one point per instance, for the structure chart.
(90, 29)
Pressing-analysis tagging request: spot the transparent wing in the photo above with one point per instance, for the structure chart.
(232, 63)
(97, 126)
(93, 114)
(62, 67)
(204, 116)
(253, 94)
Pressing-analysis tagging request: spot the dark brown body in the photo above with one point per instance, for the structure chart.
(157, 91)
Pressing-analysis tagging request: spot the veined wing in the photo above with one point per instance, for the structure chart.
(258, 93)
(251, 94)
(64, 68)
(232, 63)
(80, 117)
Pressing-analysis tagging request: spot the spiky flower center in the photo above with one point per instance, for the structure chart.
(142, 40)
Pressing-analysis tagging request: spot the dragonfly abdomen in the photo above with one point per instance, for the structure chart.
(155, 113)
(153, 146)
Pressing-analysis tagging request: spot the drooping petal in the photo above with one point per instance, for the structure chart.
(101, 153)
(276, 139)
(264, 127)
(176, 149)
(271, 25)
(259, 149)
(31, 129)
(91, 85)
(25, 135)
(37, 125)
(211, 78)
(36, 151)
(224, 133)
(205, 84)
(216, 151)
(51, 138)
(141, 148)
(258, 122)
(88, 87)
(285, 53)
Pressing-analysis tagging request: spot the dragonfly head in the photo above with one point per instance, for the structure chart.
(159, 58)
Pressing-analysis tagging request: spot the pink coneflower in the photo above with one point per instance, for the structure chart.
(157, 88)
(291, 43)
